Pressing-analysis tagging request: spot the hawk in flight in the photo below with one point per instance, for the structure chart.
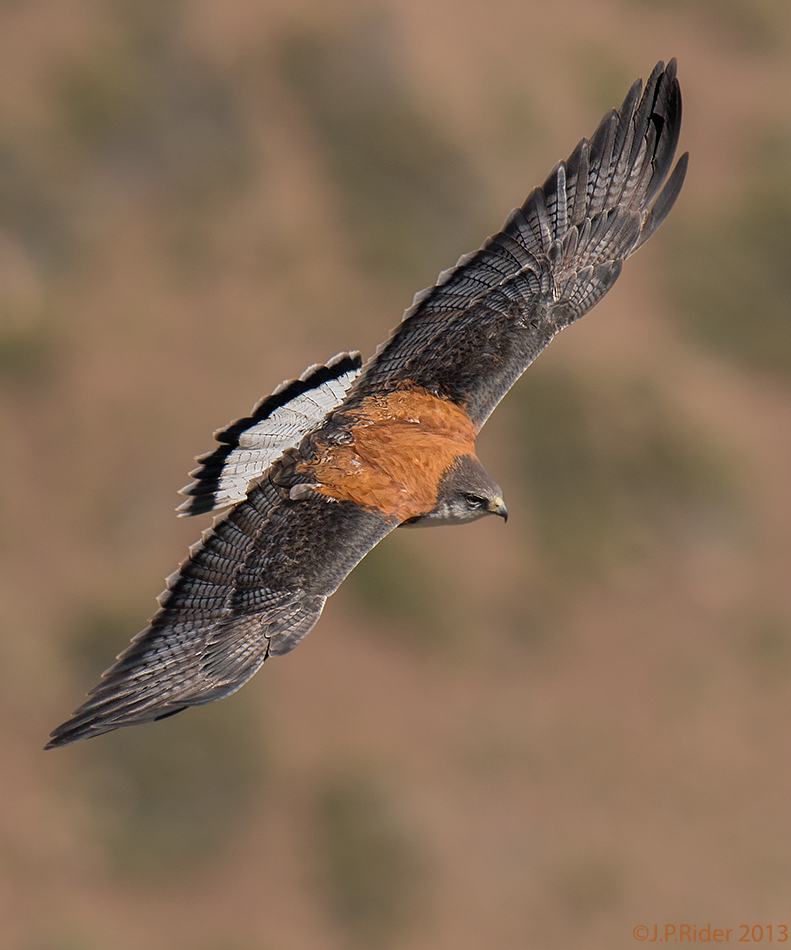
(332, 462)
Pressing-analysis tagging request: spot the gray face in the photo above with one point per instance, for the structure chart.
(466, 493)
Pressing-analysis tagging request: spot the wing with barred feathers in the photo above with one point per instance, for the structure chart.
(471, 336)
(252, 588)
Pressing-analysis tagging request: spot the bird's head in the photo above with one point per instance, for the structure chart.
(466, 492)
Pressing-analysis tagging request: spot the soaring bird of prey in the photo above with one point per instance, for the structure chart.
(330, 463)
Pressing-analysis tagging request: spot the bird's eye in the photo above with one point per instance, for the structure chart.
(475, 501)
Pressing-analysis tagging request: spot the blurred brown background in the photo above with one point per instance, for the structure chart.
(534, 736)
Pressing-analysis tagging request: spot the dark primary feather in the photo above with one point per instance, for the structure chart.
(471, 336)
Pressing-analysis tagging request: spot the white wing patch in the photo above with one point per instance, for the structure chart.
(250, 445)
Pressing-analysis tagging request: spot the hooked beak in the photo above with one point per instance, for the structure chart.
(498, 508)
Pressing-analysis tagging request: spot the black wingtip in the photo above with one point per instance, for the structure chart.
(664, 203)
(66, 734)
(77, 728)
(87, 725)
(58, 743)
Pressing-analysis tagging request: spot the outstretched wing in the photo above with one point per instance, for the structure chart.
(258, 580)
(250, 445)
(471, 336)
(252, 588)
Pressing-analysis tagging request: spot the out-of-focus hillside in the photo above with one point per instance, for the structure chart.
(538, 735)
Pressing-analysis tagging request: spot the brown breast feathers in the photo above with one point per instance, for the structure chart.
(402, 445)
